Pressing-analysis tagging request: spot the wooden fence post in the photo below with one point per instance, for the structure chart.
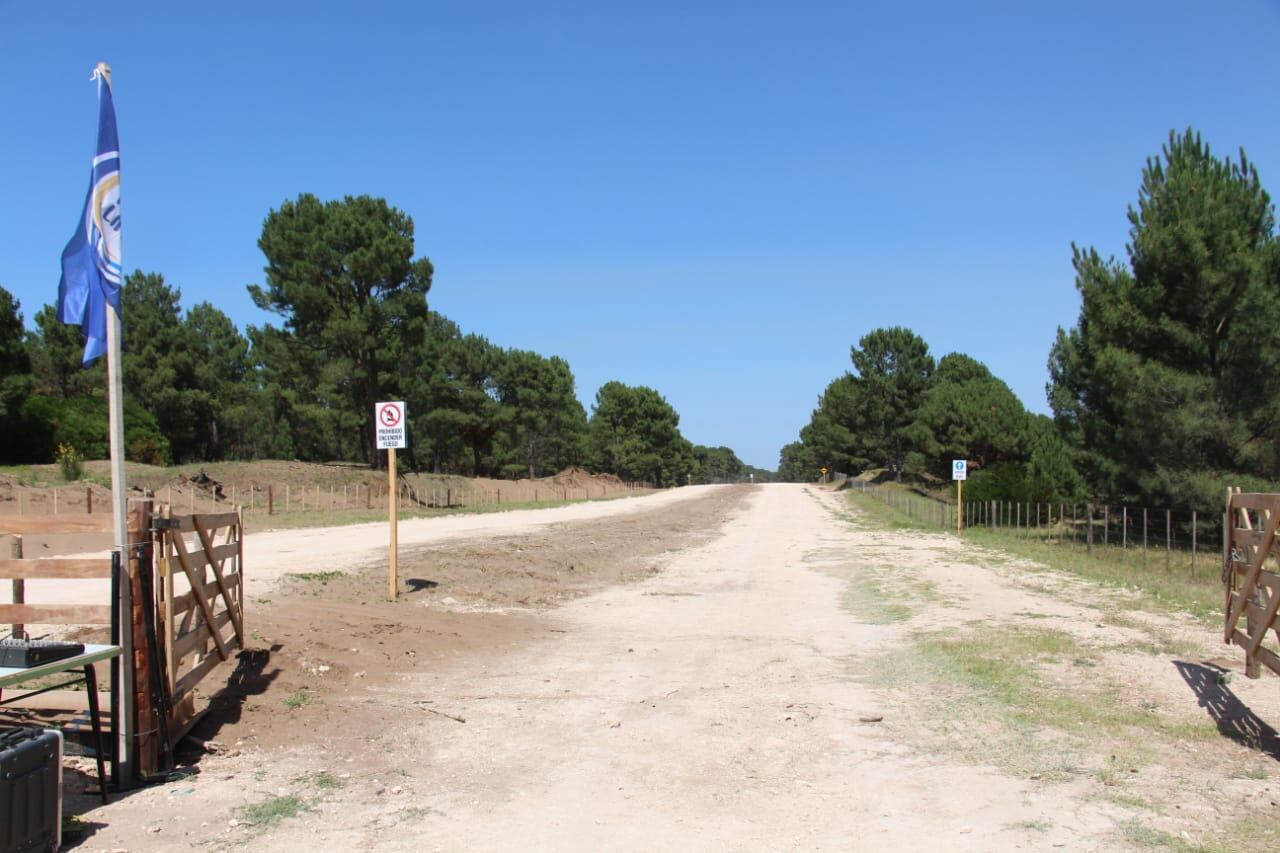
(1193, 543)
(88, 500)
(1089, 533)
(271, 501)
(144, 745)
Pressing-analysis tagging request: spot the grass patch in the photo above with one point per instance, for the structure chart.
(297, 700)
(1139, 834)
(990, 698)
(322, 781)
(875, 513)
(864, 597)
(1159, 585)
(74, 826)
(322, 577)
(272, 811)
(875, 593)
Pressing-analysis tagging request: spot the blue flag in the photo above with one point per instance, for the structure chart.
(91, 272)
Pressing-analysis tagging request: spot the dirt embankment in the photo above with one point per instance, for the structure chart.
(308, 486)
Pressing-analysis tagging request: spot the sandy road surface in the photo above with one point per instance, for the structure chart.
(707, 707)
(725, 697)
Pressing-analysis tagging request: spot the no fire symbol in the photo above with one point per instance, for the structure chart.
(388, 418)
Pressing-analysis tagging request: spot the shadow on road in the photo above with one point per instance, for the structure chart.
(1234, 718)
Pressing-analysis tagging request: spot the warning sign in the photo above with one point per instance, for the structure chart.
(388, 421)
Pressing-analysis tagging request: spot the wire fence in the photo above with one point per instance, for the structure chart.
(1183, 539)
(424, 492)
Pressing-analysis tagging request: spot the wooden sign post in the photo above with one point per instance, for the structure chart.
(389, 425)
(392, 571)
(959, 473)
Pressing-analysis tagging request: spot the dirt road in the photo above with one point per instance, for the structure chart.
(725, 689)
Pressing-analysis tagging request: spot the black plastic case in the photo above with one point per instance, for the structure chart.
(30, 790)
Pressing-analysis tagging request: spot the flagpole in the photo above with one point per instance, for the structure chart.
(120, 529)
(120, 532)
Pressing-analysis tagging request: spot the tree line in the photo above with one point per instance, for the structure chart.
(354, 328)
(1163, 392)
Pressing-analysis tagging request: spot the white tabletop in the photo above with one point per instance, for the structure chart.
(10, 675)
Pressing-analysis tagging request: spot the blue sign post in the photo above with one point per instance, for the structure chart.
(959, 473)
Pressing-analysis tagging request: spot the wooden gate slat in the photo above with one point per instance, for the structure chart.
(197, 588)
(1255, 566)
(185, 644)
(186, 601)
(207, 541)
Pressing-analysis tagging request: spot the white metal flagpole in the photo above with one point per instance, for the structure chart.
(120, 529)
(120, 533)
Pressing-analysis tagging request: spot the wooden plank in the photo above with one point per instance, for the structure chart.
(20, 524)
(187, 600)
(63, 700)
(1245, 537)
(56, 614)
(200, 559)
(209, 550)
(1259, 501)
(55, 568)
(208, 520)
(187, 682)
(197, 587)
(193, 640)
(185, 716)
(239, 529)
(166, 580)
(1272, 520)
(1264, 655)
(1258, 613)
(1264, 620)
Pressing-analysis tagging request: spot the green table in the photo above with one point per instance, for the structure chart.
(13, 676)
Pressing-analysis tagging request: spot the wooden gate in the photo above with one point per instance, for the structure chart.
(199, 597)
(1251, 574)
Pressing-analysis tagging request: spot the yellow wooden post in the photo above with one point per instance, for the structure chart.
(391, 503)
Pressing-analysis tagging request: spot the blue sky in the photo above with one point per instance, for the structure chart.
(712, 199)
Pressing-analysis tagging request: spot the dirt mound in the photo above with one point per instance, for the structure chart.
(577, 478)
